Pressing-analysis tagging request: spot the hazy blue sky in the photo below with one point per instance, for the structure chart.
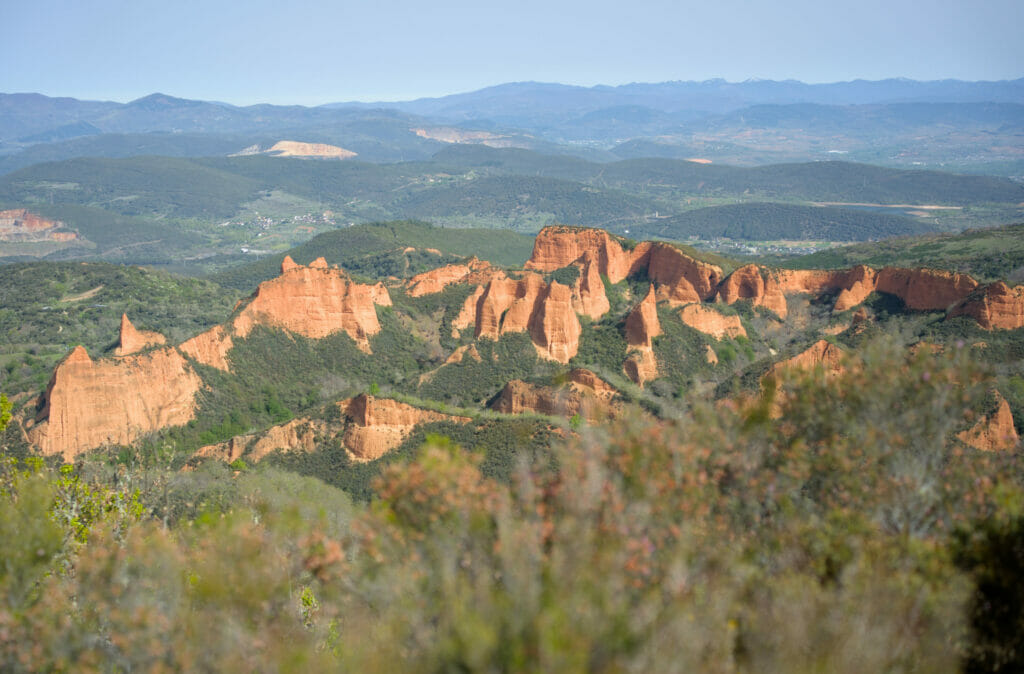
(316, 52)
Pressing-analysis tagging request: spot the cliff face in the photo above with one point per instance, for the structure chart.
(822, 354)
(584, 394)
(997, 306)
(994, 432)
(292, 148)
(711, 322)
(133, 341)
(642, 326)
(210, 347)
(588, 295)
(314, 301)
(925, 289)
(378, 425)
(753, 283)
(474, 271)
(557, 247)
(94, 403)
(679, 277)
(920, 289)
(528, 304)
(554, 328)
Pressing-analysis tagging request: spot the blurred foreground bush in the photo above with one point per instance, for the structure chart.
(831, 524)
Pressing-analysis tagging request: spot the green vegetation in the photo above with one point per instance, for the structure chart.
(377, 250)
(734, 539)
(205, 214)
(48, 308)
(986, 254)
(772, 222)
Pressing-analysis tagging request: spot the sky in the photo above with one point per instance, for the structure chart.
(309, 53)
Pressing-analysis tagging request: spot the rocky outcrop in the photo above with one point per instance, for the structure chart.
(434, 281)
(314, 301)
(528, 304)
(822, 353)
(925, 289)
(583, 394)
(757, 284)
(554, 328)
(90, 403)
(558, 247)
(378, 425)
(997, 306)
(20, 225)
(210, 347)
(642, 326)
(679, 277)
(993, 432)
(466, 351)
(468, 313)
(133, 341)
(711, 322)
(588, 294)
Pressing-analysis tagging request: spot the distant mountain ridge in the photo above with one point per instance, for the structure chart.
(947, 124)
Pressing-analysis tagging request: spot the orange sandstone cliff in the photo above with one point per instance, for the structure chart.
(997, 306)
(133, 340)
(93, 403)
(711, 322)
(584, 393)
(378, 425)
(314, 301)
(993, 432)
(642, 326)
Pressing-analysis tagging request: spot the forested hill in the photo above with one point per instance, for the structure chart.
(773, 221)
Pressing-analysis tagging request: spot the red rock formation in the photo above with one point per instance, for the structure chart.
(554, 328)
(822, 354)
(586, 382)
(315, 302)
(435, 280)
(679, 277)
(994, 432)
(297, 435)
(133, 341)
(466, 351)
(710, 355)
(93, 403)
(756, 284)
(557, 247)
(378, 425)
(585, 394)
(925, 289)
(997, 306)
(474, 271)
(641, 366)
(529, 305)
(468, 313)
(210, 347)
(642, 326)
(588, 295)
(711, 322)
